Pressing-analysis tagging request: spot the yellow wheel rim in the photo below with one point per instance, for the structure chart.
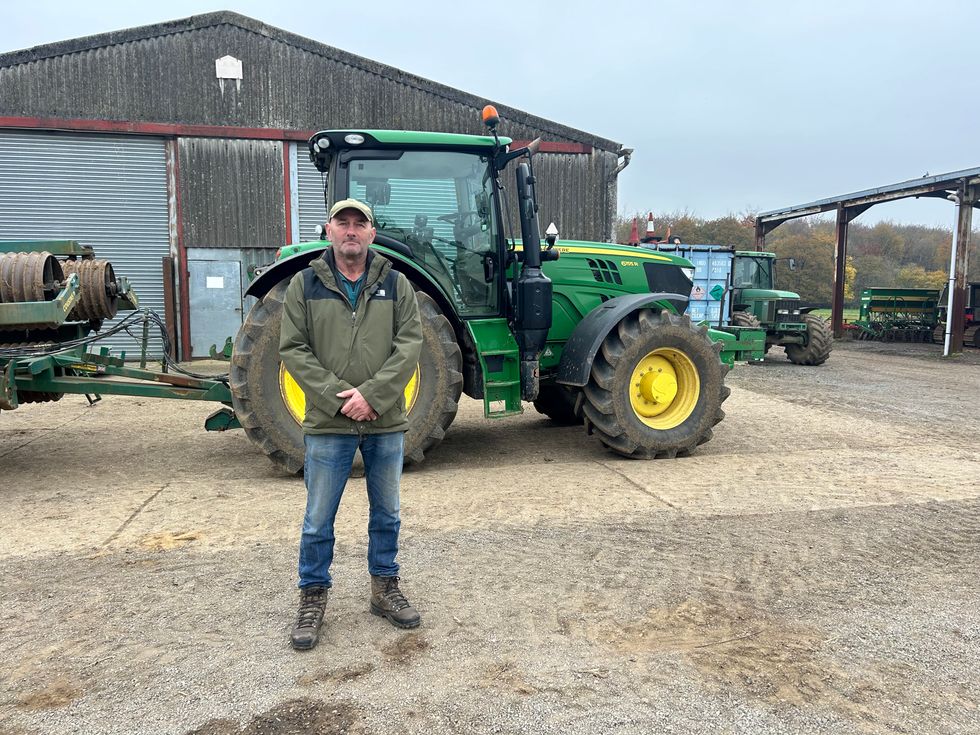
(412, 390)
(292, 394)
(295, 399)
(664, 388)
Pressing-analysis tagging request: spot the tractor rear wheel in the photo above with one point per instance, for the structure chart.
(558, 403)
(819, 343)
(433, 406)
(270, 405)
(656, 387)
(259, 393)
(748, 319)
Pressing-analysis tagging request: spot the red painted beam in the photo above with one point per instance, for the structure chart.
(218, 131)
(287, 194)
(147, 128)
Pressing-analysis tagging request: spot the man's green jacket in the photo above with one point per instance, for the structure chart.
(329, 346)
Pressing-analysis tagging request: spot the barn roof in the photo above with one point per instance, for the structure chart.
(209, 20)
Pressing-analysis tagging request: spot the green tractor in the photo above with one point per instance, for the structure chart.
(591, 333)
(756, 303)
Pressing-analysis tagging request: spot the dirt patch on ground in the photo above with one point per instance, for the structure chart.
(296, 717)
(53, 694)
(812, 569)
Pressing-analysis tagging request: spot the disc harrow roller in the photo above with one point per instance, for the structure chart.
(30, 396)
(29, 277)
(97, 297)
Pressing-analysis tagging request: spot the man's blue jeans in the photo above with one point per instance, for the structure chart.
(327, 467)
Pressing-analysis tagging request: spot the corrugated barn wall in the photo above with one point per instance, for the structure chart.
(166, 74)
(231, 192)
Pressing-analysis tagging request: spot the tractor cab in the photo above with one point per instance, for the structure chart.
(754, 292)
(434, 201)
(753, 271)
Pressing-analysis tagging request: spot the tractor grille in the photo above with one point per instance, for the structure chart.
(788, 312)
(605, 271)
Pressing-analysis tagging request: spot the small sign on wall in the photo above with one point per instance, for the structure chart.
(215, 282)
(228, 67)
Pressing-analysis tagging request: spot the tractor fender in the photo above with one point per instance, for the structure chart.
(282, 270)
(588, 335)
(808, 309)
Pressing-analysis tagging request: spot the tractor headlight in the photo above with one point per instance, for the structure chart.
(688, 273)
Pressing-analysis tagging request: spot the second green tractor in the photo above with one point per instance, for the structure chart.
(758, 304)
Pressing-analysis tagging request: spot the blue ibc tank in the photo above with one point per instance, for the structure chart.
(712, 277)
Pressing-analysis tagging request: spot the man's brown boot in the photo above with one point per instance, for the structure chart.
(306, 631)
(389, 602)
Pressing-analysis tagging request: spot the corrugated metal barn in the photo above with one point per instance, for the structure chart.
(177, 151)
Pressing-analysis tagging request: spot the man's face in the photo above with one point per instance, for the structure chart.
(350, 233)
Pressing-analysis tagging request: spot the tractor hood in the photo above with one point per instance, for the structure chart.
(763, 294)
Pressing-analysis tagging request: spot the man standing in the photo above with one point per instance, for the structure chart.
(351, 337)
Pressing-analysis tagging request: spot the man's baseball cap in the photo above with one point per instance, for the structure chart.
(351, 204)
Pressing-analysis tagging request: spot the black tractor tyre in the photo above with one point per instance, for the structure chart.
(255, 392)
(557, 402)
(257, 396)
(819, 342)
(607, 406)
(748, 319)
(440, 383)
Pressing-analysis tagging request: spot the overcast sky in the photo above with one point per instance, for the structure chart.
(728, 106)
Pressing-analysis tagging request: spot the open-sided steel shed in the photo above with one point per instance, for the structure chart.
(960, 187)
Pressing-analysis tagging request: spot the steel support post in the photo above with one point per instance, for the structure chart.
(840, 261)
(960, 263)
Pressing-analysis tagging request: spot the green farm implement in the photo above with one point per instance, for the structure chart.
(897, 315)
(54, 297)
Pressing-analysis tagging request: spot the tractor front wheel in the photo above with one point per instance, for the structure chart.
(656, 387)
(819, 343)
(270, 405)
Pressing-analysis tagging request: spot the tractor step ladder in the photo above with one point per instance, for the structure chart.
(500, 361)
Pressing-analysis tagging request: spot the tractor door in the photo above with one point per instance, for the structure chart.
(438, 203)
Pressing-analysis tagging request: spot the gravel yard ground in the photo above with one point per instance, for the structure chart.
(812, 569)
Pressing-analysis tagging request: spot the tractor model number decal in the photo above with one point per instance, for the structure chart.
(628, 262)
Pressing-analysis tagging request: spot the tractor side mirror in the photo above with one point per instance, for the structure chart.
(482, 201)
(791, 262)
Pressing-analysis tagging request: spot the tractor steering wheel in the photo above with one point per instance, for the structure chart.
(465, 224)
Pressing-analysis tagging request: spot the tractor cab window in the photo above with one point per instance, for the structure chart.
(752, 272)
(439, 204)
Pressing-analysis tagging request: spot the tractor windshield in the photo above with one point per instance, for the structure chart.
(439, 204)
(752, 272)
